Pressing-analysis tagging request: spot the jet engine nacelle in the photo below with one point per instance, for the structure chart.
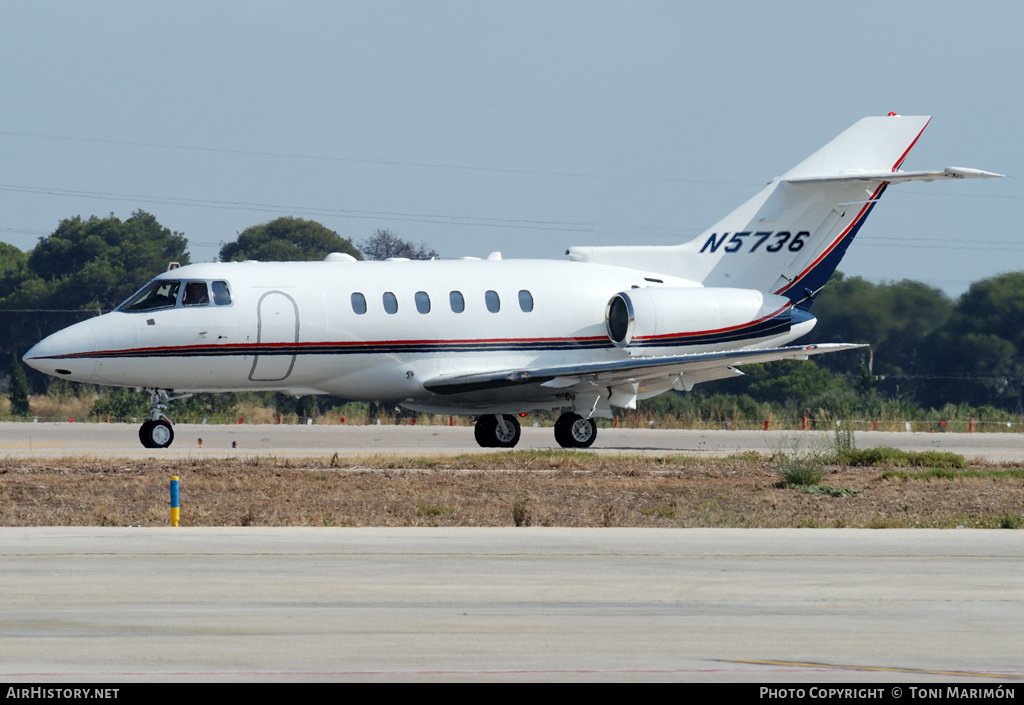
(666, 316)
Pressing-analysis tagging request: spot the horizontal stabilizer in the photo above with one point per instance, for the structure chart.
(896, 177)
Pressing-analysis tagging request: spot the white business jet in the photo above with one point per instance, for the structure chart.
(497, 338)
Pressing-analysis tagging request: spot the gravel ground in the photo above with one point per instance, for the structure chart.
(547, 488)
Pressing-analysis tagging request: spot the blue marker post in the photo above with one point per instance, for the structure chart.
(175, 501)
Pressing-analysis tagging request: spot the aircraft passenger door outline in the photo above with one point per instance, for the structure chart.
(277, 322)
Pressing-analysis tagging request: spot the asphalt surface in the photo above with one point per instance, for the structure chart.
(298, 604)
(121, 440)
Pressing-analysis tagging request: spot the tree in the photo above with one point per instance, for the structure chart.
(977, 355)
(102, 260)
(787, 380)
(287, 240)
(893, 318)
(18, 393)
(993, 306)
(385, 244)
(12, 269)
(121, 404)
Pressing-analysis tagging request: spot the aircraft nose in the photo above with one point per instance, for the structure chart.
(65, 353)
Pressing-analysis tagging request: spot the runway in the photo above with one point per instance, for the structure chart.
(123, 604)
(121, 440)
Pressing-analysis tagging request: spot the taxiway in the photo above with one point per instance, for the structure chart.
(249, 604)
(121, 440)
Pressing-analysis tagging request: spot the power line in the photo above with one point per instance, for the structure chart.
(936, 244)
(381, 162)
(437, 165)
(434, 218)
(24, 231)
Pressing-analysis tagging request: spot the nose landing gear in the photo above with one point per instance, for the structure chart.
(156, 432)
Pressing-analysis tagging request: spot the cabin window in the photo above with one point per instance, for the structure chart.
(221, 294)
(457, 301)
(493, 302)
(390, 302)
(525, 300)
(358, 303)
(196, 294)
(160, 293)
(422, 302)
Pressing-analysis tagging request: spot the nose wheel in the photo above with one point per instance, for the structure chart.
(156, 434)
(574, 431)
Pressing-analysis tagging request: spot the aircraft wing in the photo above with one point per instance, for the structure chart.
(681, 371)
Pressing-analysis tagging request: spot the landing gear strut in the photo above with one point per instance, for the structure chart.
(156, 432)
(497, 431)
(574, 431)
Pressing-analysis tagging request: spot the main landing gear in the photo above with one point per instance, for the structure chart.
(574, 431)
(502, 431)
(494, 431)
(156, 432)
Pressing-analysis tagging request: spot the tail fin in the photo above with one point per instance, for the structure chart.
(790, 237)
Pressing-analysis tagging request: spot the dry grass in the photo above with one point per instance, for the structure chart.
(54, 408)
(556, 488)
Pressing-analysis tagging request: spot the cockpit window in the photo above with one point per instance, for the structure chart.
(196, 294)
(221, 294)
(160, 293)
(163, 293)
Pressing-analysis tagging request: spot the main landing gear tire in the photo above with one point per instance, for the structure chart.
(490, 434)
(156, 434)
(574, 431)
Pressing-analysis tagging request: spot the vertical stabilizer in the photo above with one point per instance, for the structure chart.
(789, 238)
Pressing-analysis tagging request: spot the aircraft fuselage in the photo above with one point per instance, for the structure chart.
(380, 330)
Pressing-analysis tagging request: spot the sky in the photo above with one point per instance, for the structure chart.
(521, 127)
